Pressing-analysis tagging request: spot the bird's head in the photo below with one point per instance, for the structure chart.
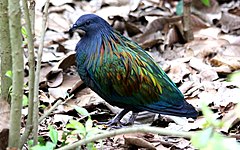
(90, 23)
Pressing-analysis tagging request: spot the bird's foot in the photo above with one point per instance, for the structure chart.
(115, 122)
(132, 119)
(112, 123)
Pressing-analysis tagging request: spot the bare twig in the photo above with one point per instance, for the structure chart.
(32, 4)
(187, 25)
(37, 75)
(50, 110)
(59, 102)
(31, 62)
(142, 129)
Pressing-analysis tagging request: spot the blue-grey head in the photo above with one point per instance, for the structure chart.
(91, 24)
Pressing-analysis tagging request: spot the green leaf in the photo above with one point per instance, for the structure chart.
(90, 146)
(88, 124)
(25, 100)
(206, 2)
(215, 142)
(179, 8)
(81, 110)
(38, 147)
(208, 114)
(234, 77)
(48, 146)
(75, 125)
(24, 32)
(93, 131)
(79, 127)
(9, 74)
(201, 138)
(41, 140)
(30, 143)
(64, 137)
(53, 134)
(42, 106)
(80, 132)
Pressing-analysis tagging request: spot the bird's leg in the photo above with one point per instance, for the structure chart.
(116, 119)
(132, 118)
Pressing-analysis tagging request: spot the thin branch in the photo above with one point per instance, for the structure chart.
(37, 75)
(142, 129)
(50, 110)
(32, 14)
(59, 102)
(31, 62)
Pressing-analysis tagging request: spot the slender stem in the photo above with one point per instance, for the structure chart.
(32, 14)
(50, 110)
(37, 75)
(142, 129)
(31, 62)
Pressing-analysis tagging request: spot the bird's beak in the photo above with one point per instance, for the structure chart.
(74, 27)
(78, 28)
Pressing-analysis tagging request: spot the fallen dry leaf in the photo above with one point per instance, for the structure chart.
(58, 23)
(5, 115)
(186, 86)
(198, 23)
(4, 134)
(177, 73)
(63, 119)
(54, 78)
(229, 119)
(138, 142)
(223, 60)
(230, 23)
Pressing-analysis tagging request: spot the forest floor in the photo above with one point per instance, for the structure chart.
(202, 68)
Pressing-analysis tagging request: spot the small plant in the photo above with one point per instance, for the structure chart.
(209, 138)
(53, 134)
(25, 98)
(74, 129)
(206, 2)
(86, 130)
(179, 8)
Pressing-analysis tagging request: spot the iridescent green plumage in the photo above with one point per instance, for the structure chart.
(123, 74)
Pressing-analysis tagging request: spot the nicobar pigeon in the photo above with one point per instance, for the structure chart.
(123, 74)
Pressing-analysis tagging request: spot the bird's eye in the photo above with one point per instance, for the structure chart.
(87, 23)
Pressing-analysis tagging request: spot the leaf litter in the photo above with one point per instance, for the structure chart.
(200, 68)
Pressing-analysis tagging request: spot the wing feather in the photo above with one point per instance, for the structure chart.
(129, 76)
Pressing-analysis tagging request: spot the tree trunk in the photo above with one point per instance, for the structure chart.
(5, 49)
(17, 67)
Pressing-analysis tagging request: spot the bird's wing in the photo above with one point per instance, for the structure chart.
(126, 74)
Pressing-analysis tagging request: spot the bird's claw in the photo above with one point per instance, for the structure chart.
(115, 124)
